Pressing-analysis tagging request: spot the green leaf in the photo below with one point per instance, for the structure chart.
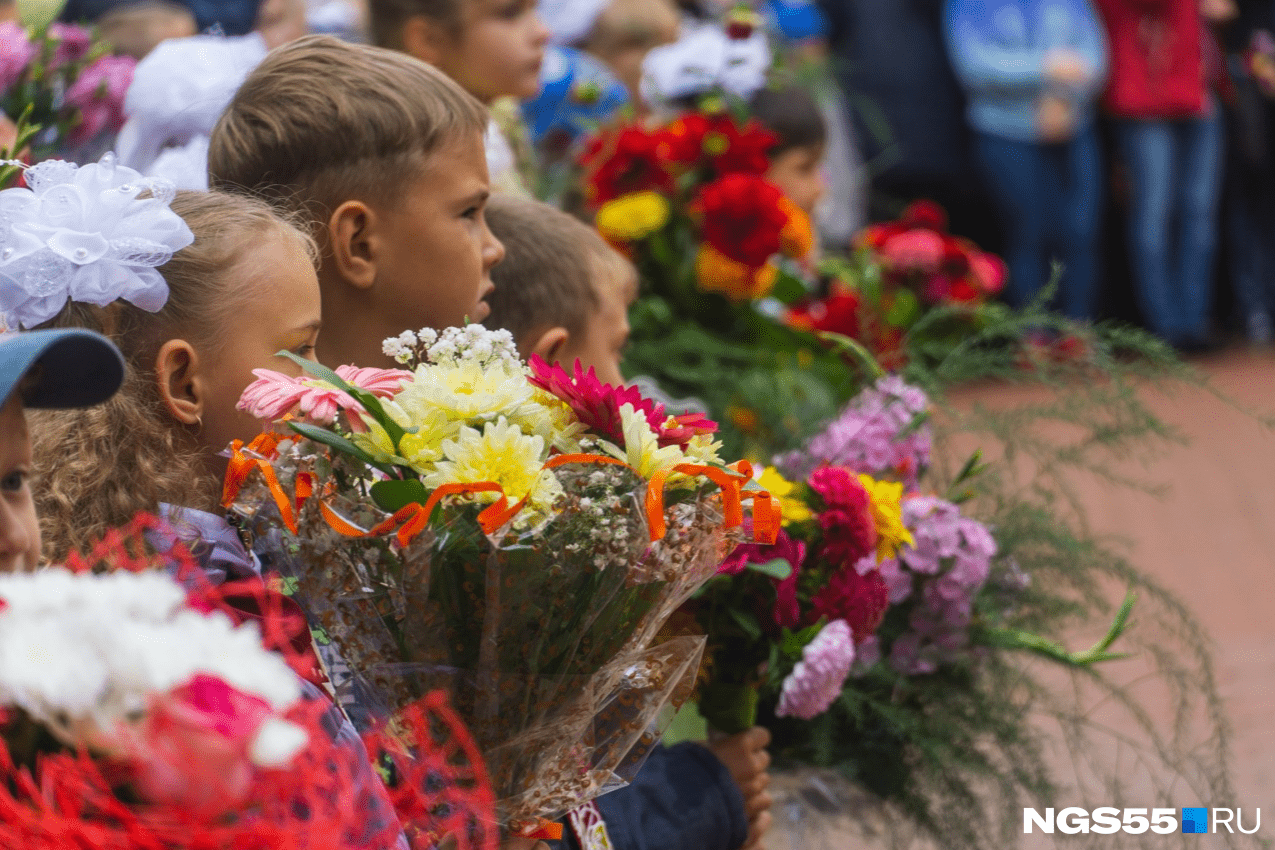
(788, 288)
(398, 493)
(747, 622)
(335, 441)
(778, 569)
(905, 310)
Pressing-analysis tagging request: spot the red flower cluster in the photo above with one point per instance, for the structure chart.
(742, 217)
(633, 158)
(850, 532)
(860, 600)
(917, 252)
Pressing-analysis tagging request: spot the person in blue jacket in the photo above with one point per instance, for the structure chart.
(1032, 71)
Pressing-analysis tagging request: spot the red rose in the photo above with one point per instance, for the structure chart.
(623, 161)
(742, 218)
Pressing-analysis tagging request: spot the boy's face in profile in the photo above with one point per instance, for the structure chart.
(19, 528)
(606, 331)
(798, 173)
(437, 254)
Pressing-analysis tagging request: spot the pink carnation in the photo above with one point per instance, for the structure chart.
(274, 394)
(817, 679)
(98, 93)
(16, 53)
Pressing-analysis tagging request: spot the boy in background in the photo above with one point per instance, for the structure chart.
(384, 163)
(492, 48)
(564, 294)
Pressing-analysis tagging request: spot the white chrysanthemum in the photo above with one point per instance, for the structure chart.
(642, 449)
(503, 454)
(87, 651)
(466, 392)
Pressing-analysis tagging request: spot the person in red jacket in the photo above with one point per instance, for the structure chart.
(1169, 132)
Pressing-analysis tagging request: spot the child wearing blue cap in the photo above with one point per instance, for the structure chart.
(42, 369)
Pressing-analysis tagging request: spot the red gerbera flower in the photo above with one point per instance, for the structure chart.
(849, 530)
(742, 218)
(860, 600)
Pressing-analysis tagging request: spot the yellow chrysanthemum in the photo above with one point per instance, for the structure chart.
(887, 513)
(704, 450)
(466, 392)
(792, 508)
(633, 216)
(641, 445)
(419, 448)
(551, 418)
(717, 272)
(500, 453)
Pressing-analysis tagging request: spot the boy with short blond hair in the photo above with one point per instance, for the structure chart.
(564, 294)
(567, 294)
(382, 157)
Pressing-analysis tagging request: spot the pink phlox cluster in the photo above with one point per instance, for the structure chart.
(16, 53)
(867, 437)
(73, 43)
(98, 93)
(817, 679)
(949, 562)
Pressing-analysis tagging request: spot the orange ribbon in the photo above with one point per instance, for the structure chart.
(537, 830)
(413, 518)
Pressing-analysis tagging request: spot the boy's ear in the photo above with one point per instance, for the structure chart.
(549, 345)
(179, 381)
(424, 39)
(350, 230)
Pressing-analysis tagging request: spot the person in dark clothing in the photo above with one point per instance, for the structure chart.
(908, 111)
(232, 17)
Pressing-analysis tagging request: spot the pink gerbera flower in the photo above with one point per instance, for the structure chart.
(597, 405)
(274, 394)
(817, 679)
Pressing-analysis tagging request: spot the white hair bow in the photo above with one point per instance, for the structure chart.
(83, 234)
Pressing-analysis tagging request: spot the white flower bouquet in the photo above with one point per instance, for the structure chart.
(513, 534)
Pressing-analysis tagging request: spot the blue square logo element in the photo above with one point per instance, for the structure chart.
(1195, 820)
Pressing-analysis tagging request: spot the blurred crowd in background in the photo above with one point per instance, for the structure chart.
(1126, 142)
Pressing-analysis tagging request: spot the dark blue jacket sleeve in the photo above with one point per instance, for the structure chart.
(682, 799)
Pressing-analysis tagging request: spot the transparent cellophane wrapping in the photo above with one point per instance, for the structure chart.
(540, 635)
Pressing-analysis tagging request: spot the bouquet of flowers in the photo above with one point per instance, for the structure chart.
(690, 202)
(135, 714)
(64, 81)
(515, 535)
(871, 582)
(910, 289)
(713, 242)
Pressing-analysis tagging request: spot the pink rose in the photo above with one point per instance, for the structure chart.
(193, 749)
(98, 94)
(915, 250)
(16, 53)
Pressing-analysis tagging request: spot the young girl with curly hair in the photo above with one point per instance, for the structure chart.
(243, 291)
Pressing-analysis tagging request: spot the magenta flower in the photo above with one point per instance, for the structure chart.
(817, 679)
(16, 53)
(98, 94)
(274, 394)
(73, 44)
(597, 405)
(849, 530)
(787, 608)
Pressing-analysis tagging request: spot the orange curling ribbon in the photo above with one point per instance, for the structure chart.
(241, 466)
(541, 830)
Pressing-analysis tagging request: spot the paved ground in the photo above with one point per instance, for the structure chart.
(1210, 537)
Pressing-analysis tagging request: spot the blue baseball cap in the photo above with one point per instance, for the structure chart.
(68, 368)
